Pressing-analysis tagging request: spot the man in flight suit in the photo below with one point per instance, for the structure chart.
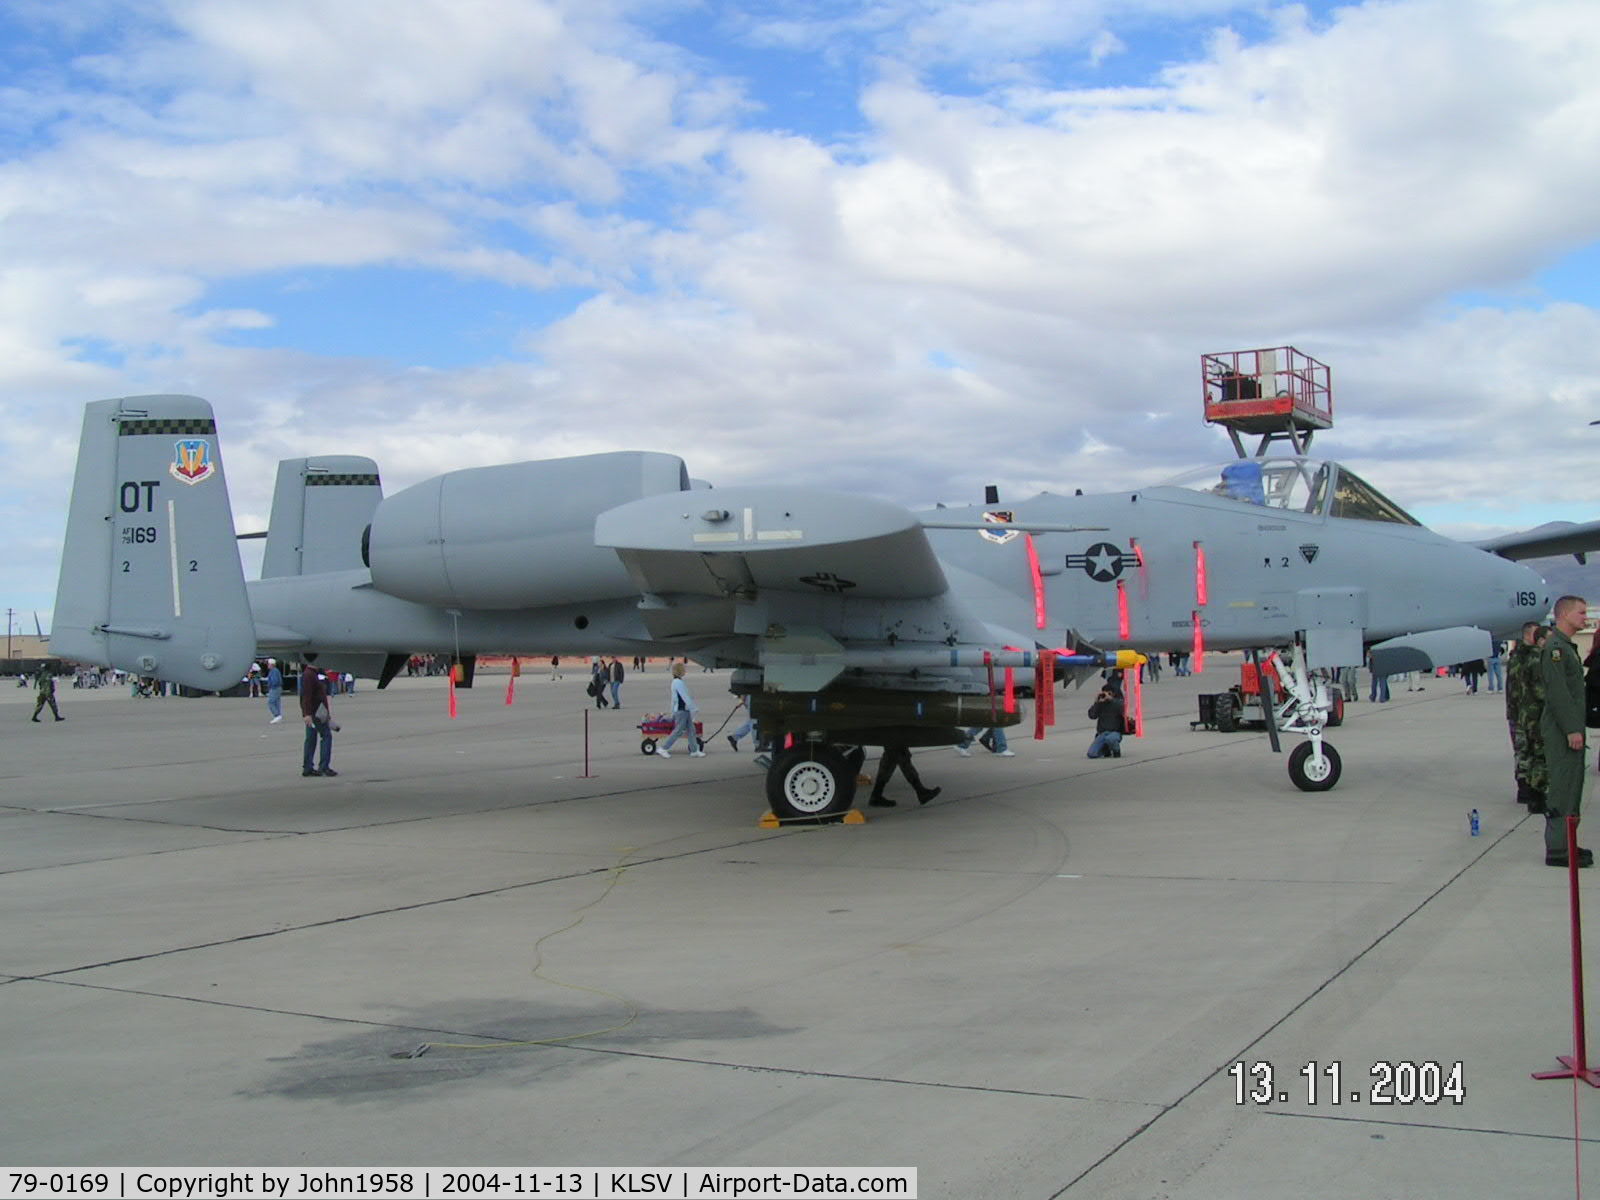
(1561, 667)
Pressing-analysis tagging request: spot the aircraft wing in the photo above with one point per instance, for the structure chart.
(735, 543)
(1558, 537)
(1429, 649)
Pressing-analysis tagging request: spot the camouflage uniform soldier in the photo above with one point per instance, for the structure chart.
(1563, 728)
(1524, 707)
(46, 685)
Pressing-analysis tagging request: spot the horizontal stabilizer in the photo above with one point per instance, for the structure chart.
(150, 577)
(368, 665)
(1430, 649)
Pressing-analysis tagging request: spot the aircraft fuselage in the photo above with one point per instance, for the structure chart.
(1262, 573)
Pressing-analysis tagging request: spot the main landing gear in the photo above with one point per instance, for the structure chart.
(811, 781)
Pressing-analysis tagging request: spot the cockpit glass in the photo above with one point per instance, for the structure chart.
(1291, 484)
(1355, 498)
(1302, 485)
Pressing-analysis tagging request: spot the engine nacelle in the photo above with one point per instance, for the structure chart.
(514, 536)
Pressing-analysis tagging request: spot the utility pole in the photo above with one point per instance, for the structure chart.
(9, 611)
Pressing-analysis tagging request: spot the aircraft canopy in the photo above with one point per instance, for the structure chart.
(1306, 485)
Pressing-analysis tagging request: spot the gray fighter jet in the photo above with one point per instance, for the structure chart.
(849, 621)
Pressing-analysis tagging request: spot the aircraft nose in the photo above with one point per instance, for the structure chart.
(1530, 594)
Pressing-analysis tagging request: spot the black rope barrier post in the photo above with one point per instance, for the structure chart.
(586, 774)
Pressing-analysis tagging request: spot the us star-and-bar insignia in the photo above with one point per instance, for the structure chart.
(1103, 562)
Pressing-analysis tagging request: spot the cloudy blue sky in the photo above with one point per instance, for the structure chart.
(903, 247)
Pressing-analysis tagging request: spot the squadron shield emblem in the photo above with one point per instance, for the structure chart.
(998, 518)
(191, 461)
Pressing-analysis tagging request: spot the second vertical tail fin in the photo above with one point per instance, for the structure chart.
(320, 507)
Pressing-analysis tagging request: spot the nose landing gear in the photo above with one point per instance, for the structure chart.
(1314, 766)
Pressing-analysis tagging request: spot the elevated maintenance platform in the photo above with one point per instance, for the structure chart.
(1278, 394)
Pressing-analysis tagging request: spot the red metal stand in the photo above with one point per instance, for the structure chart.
(1279, 394)
(1577, 1066)
(586, 774)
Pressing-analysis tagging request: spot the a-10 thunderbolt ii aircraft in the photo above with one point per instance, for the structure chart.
(849, 621)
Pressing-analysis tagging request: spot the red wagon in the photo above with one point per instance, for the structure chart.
(658, 726)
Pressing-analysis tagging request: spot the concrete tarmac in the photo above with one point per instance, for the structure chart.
(1038, 985)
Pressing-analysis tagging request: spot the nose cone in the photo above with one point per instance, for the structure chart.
(1525, 596)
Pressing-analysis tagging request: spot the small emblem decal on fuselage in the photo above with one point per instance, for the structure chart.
(999, 518)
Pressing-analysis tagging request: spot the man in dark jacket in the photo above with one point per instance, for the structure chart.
(318, 715)
(1109, 724)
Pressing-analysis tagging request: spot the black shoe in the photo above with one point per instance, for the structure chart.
(326, 771)
(1585, 859)
(61, 718)
(35, 719)
(308, 773)
(881, 802)
(734, 742)
(924, 797)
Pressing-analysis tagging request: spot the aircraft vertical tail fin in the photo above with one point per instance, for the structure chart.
(320, 508)
(150, 576)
